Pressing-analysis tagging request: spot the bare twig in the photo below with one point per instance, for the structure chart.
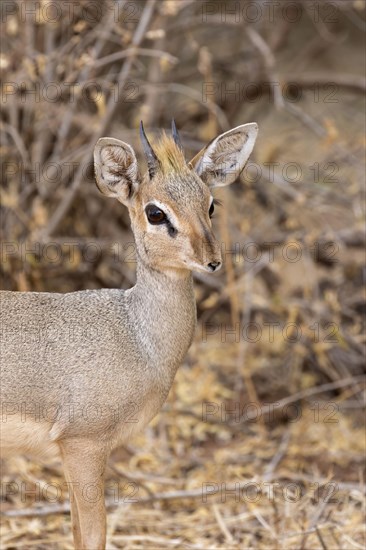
(309, 80)
(221, 523)
(271, 468)
(270, 64)
(134, 52)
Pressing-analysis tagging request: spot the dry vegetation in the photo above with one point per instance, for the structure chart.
(291, 292)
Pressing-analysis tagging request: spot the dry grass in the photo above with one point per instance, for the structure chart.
(288, 475)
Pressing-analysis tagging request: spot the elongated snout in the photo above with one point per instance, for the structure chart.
(206, 250)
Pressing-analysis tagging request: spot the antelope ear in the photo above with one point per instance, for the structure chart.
(115, 167)
(222, 160)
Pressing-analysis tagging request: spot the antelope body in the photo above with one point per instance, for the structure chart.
(82, 372)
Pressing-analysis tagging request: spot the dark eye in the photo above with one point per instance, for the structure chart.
(212, 210)
(155, 215)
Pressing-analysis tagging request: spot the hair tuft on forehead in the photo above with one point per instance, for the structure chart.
(170, 155)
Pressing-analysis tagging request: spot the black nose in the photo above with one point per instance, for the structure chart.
(214, 265)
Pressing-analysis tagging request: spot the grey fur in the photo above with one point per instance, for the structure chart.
(82, 372)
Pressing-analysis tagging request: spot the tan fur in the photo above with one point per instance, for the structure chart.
(83, 372)
(171, 157)
(35, 438)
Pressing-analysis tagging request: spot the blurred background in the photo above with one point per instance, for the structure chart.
(261, 442)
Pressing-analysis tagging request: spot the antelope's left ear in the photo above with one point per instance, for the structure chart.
(222, 160)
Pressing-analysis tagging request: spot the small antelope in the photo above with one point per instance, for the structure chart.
(82, 372)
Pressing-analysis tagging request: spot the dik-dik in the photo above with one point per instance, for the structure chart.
(79, 397)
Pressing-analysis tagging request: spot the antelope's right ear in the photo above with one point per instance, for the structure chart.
(115, 167)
